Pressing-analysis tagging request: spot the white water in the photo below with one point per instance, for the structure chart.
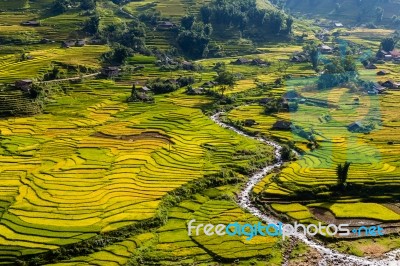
(329, 256)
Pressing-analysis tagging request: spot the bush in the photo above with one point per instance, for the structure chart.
(185, 81)
(118, 54)
(286, 153)
(278, 104)
(160, 87)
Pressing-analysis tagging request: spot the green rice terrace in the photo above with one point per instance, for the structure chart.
(122, 121)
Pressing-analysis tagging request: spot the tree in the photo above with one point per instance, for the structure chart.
(92, 25)
(337, 72)
(388, 44)
(61, 6)
(274, 21)
(379, 14)
(225, 80)
(395, 20)
(342, 172)
(194, 42)
(208, 29)
(88, 4)
(206, 13)
(349, 64)
(131, 35)
(188, 21)
(338, 7)
(245, 16)
(313, 52)
(289, 25)
(118, 54)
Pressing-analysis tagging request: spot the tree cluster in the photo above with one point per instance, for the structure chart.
(312, 50)
(118, 54)
(62, 6)
(245, 16)
(194, 37)
(276, 105)
(226, 80)
(338, 71)
(389, 44)
(160, 86)
(124, 39)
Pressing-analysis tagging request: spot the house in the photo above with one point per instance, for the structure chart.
(259, 62)
(241, 61)
(165, 25)
(95, 41)
(371, 66)
(325, 49)
(144, 97)
(395, 53)
(67, 44)
(299, 58)
(382, 73)
(70, 43)
(188, 65)
(209, 84)
(388, 57)
(80, 43)
(24, 84)
(31, 23)
(381, 54)
(145, 89)
(355, 126)
(195, 91)
(171, 81)
(295, 59)
(282, 125)
(390, 84)
(379, 89)
(338, 25)
(110, 71)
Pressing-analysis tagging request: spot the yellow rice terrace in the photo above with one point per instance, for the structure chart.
(183, 132)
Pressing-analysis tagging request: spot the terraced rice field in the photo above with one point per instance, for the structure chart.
(171, 245)
(11, 68)
(373, 155)
(370, 38)
(368, 210)
(17, 4)
(92, 163)
(172, 8)
(369, 153)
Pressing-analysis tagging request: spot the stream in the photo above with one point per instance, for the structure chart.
(329, 256)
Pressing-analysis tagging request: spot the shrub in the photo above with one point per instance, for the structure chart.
(185, 81)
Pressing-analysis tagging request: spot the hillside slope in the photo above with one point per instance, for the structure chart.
(350, 11)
